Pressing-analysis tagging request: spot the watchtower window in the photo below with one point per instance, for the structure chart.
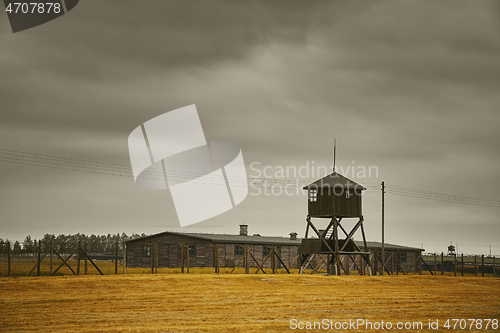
(239, 250)
(348, 194)
(313, 195)
(146, 250)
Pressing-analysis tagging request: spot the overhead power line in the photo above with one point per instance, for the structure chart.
(443, 197)
(432, 193)
(121, 170)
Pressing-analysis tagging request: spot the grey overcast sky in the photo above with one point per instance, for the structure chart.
(411, 87)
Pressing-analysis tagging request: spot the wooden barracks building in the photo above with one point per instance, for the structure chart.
(231, 249)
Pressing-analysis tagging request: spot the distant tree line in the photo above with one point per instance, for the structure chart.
(68, 243)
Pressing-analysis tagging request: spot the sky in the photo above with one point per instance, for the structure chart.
(409, 87)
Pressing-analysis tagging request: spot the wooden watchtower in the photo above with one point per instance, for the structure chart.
(336, 198)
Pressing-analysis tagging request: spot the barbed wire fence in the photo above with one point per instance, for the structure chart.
(49, 260)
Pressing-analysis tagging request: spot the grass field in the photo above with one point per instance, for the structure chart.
(238, 303)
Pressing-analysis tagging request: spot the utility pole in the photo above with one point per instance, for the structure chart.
(383, 238)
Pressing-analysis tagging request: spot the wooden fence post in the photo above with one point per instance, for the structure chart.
(187, 258)
(86, 256)
(382, 262)
(300, 262)
(77, 258)
(455, 263)
(462, 264)
(39, 256)
(397, 262)
(442, 261)
(435, 263)
(482, 265)
(116, 258)
(86, 266)
(216, 258)
(152, 257)
(50, 256)
(124, 261)
(272, 260)
(494, 267)
(246, 259)
(156, 258)
(8, 259)
(475, 265)
(155, 261)
(392, 263)
(420, 262)
(182, 258)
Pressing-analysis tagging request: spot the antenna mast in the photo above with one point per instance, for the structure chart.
(334, 152)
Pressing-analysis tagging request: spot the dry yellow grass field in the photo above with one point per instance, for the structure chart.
(237, 303)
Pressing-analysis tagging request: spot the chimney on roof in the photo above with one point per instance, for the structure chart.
(293, 236)
(243, 229)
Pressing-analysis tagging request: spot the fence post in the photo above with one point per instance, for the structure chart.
(216, 258)
(475, 265)
(156, 258)
(8, 259)
(383, 262)
(246, 259)
(420, 262)
(124, 247)
(397, 262)
(455, 263)
(152, 257)
(50, 256)
(392, 263)
(116, 258)
(462, 264)
(77, 259)
(435, 263)
(187, 258)
(182, 258)
(482, 265)
(39, 255)
(273, 264)
(442, 261)
(299, 262)
(494, 267)
(86, 267)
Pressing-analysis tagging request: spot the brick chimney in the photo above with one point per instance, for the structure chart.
(243, 229)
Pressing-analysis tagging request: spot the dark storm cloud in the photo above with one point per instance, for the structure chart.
(102, 50)
(409, 86)
(125, 40)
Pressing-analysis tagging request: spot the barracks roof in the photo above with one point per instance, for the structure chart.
(265, 240)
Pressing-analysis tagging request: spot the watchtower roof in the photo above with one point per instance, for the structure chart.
(335, 180)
